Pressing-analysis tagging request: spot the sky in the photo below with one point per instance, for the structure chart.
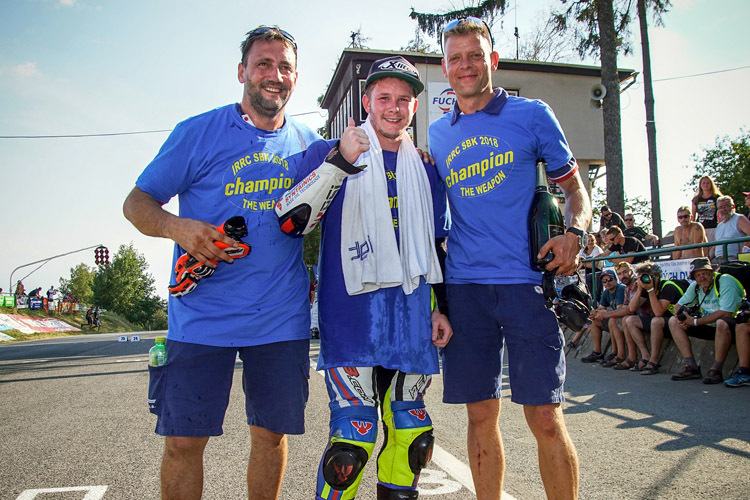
(79, 67)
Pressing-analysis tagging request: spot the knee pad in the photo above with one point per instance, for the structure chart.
(353, 434)
(342, 464)
(408, 444)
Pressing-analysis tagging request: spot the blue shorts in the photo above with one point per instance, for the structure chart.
(483, 316)
(190, 393)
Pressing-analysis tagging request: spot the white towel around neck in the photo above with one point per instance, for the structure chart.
(370, 256)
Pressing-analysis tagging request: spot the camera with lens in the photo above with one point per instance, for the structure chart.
(645, 279)
(743, 313)
(694, 311)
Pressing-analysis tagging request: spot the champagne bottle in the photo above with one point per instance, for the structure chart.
(545, 219)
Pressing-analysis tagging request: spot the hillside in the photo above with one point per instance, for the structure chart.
(111, 323)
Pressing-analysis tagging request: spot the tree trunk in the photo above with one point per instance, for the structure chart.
(650, 120)
(611, 105)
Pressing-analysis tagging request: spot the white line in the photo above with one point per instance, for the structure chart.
(450, 464)
(93, 492)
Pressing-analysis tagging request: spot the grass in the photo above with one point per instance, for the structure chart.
(111, 323)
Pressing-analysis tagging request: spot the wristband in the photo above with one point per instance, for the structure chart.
(695, 321)
(650, 290)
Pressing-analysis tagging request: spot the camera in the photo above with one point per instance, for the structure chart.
(694, 311)
(743, 313)
(645, 279)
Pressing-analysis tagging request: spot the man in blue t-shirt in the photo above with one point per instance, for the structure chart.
(486, 152)
(379, 260)
(225, 164)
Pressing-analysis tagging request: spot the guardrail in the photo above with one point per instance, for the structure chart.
(662, 250)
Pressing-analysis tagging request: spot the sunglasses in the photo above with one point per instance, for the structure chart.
(465, 20)
(621, 265)
(628, 220)
(261, 30)
(607, 280)
(682, 217)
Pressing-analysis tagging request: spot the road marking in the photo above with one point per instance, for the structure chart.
(450, 464)
(93, 492)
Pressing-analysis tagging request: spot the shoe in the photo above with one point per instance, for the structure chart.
(571, 345)
(625, 365)
(594, 356)
(651, 369)
(613, 362)
(713, 377)
(738, 380)
(606, 359)
(641, 365)
(688, 373)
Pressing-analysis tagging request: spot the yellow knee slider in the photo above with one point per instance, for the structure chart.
(408, 443)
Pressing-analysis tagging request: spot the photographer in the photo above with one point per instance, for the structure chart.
(706, 313)
(654, 303)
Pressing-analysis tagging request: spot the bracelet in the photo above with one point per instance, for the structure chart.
(695, 321)
(650, 290)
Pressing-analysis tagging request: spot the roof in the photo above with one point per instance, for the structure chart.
(370, 55)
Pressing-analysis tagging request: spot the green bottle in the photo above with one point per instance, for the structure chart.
(545, 219)
(157, 355)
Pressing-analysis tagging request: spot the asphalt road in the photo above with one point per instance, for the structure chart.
(74, 425)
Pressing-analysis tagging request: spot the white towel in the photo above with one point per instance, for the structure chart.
(370, 257)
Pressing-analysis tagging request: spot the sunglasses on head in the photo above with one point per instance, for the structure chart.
(465, 20)
(620, 265)
(261, 30)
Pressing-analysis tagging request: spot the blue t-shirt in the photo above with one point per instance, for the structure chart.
(220, 166)
(613, 300)
(487, 161)
(380, 328)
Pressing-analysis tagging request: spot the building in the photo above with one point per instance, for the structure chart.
(567, 88)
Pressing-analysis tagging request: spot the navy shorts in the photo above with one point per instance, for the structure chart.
(190, 393)
(485, 316)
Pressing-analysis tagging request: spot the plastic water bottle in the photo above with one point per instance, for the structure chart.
(157, 355)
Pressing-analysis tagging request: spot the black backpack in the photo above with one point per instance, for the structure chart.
(738, 269)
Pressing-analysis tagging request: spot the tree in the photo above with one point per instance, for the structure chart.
(728, 164)
(433, 23)
(358, 39)
(419, 44)
(125, 287)
(547, 42)
(80, 283)
(659, 7)
(603, 28)
(637, 206)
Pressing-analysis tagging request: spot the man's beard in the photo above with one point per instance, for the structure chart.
(264, 106)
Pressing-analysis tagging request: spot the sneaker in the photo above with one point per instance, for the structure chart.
(608, 358)
(713, 377)
(688, 373)
(594, 356)
(738, 380)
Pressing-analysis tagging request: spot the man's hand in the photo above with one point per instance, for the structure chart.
(353, 142)
(566, 251)
(441, 329)
(197, 238)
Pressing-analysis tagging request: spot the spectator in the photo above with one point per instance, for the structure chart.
(610, 218)
(688, 233)
(51, 293)
(20, 290)
(89, 318)
(742, 375)
(589, 251)
(731, 225)
(707, 313)
(97, 321)
(639, 233)
(705, 202)
(35, 293)
(623, 245)
(612, 298)
(653, 305)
